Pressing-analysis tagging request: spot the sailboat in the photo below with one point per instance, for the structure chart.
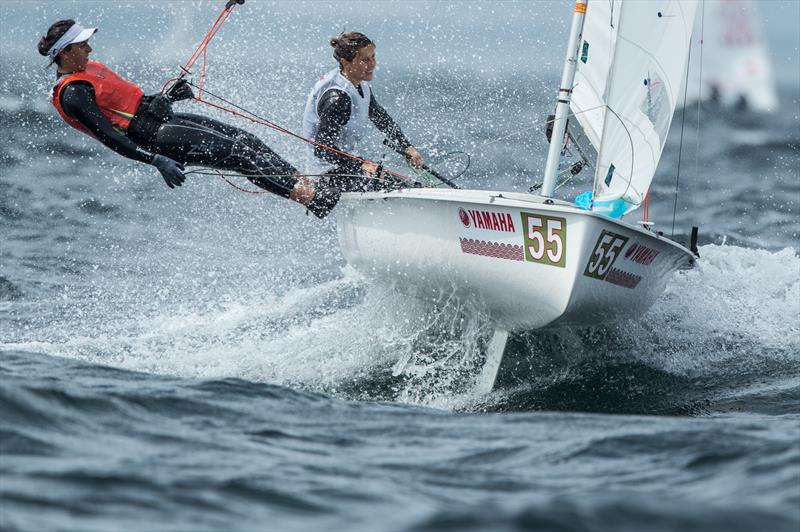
(732, 68)
(534, 261)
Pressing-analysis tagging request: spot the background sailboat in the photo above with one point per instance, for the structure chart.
(730, 62)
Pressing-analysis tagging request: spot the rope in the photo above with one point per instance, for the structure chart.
(252, 117)
(237, 187)
(445, 157)
(202, 50)
(226, 175)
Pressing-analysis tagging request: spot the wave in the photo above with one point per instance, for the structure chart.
(79, 435)
(723, 336)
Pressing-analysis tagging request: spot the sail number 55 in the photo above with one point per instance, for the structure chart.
(545, 239)
(605, 252)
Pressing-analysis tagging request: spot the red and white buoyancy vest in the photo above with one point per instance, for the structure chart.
(117, 98)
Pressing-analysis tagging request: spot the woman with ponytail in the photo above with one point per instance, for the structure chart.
(341, 105)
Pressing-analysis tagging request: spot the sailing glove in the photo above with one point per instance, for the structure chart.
(160, 108)
(180, 91)
(171, 171)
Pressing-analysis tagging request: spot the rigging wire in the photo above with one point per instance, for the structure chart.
(678, 173)
(536, 125)
(680, 143)
(567, 174)
(699, 88)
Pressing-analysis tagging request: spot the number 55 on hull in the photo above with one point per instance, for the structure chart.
(529, 262)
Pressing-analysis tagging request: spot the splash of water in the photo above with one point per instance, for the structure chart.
(736, 314)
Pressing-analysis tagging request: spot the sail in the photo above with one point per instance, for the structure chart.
(734, 68)
(631, 62)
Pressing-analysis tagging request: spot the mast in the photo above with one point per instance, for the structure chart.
(562, 103)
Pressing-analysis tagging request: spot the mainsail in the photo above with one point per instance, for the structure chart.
(631, 61)
(735, 68)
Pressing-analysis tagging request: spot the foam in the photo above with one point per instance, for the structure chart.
(739, 308)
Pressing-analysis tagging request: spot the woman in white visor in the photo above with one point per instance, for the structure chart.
(95, 100)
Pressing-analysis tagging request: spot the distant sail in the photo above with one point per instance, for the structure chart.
(631, 63)
(735, 68)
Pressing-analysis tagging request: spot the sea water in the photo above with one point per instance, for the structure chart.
(204, 359)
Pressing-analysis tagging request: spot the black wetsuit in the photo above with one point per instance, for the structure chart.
(187, 138)
(334, 108)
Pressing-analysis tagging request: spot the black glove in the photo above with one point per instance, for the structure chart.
(171, 171)
(160, 108)
(180, 91)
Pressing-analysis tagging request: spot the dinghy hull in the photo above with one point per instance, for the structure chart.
(529, 261)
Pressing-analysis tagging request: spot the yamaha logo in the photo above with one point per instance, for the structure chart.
(464, 217)
(488, 220)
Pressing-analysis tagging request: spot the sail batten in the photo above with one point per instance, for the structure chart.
(637, 52)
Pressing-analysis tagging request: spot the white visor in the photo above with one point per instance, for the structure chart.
(75, 33)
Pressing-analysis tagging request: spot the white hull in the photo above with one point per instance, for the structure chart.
(529, 263)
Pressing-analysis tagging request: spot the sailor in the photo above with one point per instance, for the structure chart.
(96, 101)
(340, 106)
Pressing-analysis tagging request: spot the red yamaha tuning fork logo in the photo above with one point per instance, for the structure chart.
(464, 216)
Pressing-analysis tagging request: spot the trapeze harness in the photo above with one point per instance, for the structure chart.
(338, 114)
(100, 103)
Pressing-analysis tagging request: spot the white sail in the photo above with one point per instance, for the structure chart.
(734, 68)
(630, 67)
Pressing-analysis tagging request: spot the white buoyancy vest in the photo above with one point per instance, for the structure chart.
(352, 132)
